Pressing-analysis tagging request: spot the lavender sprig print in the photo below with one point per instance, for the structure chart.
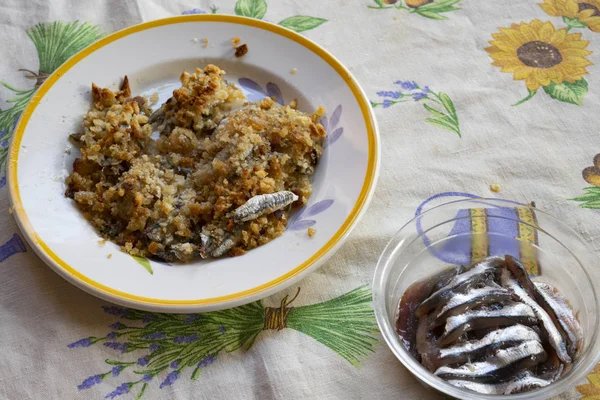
(409, 91)
(167, 347)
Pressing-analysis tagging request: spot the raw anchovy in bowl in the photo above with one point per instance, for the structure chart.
(489, 328)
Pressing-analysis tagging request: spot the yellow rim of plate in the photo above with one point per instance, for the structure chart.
(45, 250)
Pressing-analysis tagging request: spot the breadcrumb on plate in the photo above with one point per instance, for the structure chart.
(311, 232)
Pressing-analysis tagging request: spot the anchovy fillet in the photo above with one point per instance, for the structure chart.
(554, 336)
(564, 314)
(462, 302)
(263, 204)
(524, 355)
(468, 350)
(473, 275)
(514, 313)
(223, 248)
(516, 385)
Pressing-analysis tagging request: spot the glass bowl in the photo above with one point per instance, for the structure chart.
(461, 231)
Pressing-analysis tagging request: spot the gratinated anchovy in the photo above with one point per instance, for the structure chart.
(521, 275)
(564, 313)
(512, 313)
(263, 204)
(226, 245)
(518, 384)
(205, 245)
(554, 336)
(474, 297)
(479, 272)
(504, 363)
(466, 351)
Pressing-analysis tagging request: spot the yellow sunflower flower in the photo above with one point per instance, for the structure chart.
(576, 13)
(539, 54)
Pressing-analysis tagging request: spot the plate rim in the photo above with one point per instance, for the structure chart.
(213, 303)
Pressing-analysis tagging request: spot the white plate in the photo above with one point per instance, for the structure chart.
(153, 55)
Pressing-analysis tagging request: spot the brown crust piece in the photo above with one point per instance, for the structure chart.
(241, 50)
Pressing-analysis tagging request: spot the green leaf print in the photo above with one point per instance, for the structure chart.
(430, 15)
(301, 23)
(55, 43)
(574, 23)
(590, 199)
(448, 105)
(58, 41)
(440, 6)
(251, 8)
(144, 262)
(169, 345)
(568, 92)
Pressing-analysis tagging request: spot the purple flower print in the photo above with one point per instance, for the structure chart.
(147, 378)
(116, 370)
(119, 391)
(193, 11)
(222, 329)
(116, 311)
(206, 361)
(111, 335)
(153, 347)
(387, 103)
(331, 126)
(147, 318)
(116, 326)
(154, 336)
(170, 379)
(185, 339)
(390, 93)
(3, 143)
(191, 318)
(174, 364)
(13, 246)
(143, 361)
(86, 342)
(299, 224)
(407, 85)
(255, 92)
(116, 346)
(89, 382)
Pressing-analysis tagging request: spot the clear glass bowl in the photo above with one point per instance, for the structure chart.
(455, 232)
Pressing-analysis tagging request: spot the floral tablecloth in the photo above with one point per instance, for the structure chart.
(473, 97)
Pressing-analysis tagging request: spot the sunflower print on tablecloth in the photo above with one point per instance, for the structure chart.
(591, 197)
(544, 57)
(575, 13)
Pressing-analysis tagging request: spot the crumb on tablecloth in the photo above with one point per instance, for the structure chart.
(294, 71)
(205, 41)
(102, 242)
(241, 50)
(109, 256)
(154, 98)
(495, 188)
(195, 40)
(235, 41)
(311, 232)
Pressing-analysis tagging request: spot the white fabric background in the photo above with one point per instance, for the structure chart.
(535, 152)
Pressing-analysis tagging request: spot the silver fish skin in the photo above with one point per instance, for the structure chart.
(554, 336)
(527, 353)
(461, 302)
(515, 385)
(565, 316)
(480, 270)
(513, 313)
(464, 351)
(226, 245)
(263, 204)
